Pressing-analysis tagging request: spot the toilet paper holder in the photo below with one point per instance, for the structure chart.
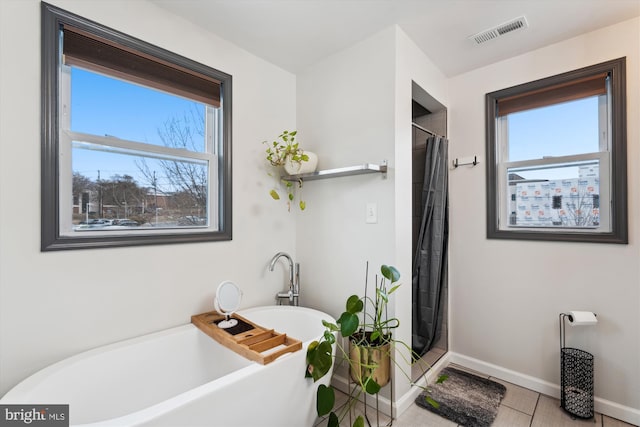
(575, 318)
(576, 370)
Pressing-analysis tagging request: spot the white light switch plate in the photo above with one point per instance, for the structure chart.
(372, 213)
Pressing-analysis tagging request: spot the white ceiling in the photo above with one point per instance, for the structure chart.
(294, 34)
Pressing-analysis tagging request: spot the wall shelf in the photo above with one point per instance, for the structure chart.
(365, 168)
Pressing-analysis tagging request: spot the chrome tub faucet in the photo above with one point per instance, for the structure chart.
(294, 279)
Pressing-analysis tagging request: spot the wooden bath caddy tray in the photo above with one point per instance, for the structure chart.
(246, 338)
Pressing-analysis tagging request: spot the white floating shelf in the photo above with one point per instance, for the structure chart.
(362, 169)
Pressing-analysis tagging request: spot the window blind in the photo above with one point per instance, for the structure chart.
(107, 57)
(562, 92)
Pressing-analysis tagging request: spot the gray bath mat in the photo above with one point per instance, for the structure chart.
(465, 399)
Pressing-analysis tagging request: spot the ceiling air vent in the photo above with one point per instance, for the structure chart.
(500, 30)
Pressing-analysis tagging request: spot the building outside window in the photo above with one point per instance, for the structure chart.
(556, 151)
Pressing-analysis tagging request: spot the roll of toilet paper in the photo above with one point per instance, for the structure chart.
(582, 318)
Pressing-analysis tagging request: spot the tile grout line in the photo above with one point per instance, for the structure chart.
(535, 408)
(518, 410)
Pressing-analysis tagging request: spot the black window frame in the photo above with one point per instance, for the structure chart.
(619, 227)
(52, 20)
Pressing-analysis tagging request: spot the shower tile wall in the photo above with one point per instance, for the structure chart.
(419, 151)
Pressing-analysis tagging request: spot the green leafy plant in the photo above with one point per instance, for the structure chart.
(364, 328)
(286, 149)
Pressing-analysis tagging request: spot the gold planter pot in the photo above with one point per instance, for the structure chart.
(368, 361)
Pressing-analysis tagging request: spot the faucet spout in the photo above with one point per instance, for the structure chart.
(275, 259)
(292, 294)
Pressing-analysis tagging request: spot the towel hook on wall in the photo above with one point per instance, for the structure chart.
(465, 161)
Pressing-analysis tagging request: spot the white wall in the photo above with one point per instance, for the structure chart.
(345, 110)
(355, 107)
(53, 305)
(411, 66)
(506, 295)
(345, 115)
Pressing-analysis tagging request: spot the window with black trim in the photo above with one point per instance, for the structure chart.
(136, 143)
(556, 157)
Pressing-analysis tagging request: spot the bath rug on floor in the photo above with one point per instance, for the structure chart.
(465, 399)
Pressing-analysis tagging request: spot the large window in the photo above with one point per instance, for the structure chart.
(136, 141)
(556, 157)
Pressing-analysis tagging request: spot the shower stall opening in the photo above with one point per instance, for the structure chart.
(430, 230)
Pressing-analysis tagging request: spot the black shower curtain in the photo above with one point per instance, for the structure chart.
(430, 262)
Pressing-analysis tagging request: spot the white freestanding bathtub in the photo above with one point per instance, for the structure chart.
(181, 377)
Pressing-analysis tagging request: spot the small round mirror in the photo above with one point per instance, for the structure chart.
(228, 297)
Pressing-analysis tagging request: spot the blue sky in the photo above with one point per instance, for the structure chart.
(107, 106)
(557, 130)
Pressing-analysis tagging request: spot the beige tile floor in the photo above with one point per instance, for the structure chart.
(520, 407)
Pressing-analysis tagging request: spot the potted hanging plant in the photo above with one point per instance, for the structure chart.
(366, 325)
(285, 153)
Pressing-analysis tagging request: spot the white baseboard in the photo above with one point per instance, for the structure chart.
(406, 400)
(603, 406)
(402, 403)
(341, 383)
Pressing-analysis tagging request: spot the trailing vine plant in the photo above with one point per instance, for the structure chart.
(286, 149)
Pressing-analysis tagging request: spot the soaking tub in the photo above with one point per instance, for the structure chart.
(180, 377)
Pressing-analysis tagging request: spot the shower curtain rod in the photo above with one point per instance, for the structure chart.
(430, 132)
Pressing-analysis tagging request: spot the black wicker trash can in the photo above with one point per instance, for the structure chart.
(576, 388)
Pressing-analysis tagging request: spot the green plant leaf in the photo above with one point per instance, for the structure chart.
(374, 336)
(359, 422)
(303, 205)
(291, 196)
(431, 402)
(311, 354)
(274, 194)
(329, 337)
(390, 273)
(333, 420)
(370, 386)
(442, 378)
(330, 326)
(293, 132)
(393, 289)
(381, 294)
(319, 359)
(325, 399)
(348, 323)
(354, 304)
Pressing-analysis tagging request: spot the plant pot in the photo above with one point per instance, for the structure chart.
(297, 168)
(370, 360)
